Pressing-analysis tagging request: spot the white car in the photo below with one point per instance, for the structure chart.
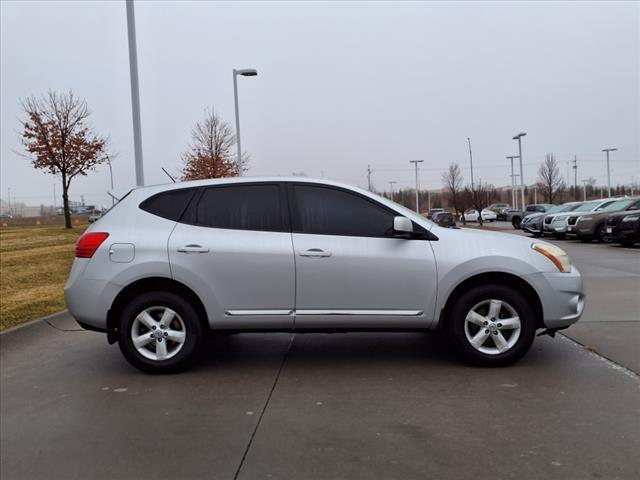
(170, 262)
(487, 215)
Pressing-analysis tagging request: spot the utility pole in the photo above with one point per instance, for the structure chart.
(113, 200)
(513, 190)
(391, 183)
(428, 200)
(607, 150)
(369, 177)
(416, 162)
(575, 177)
(135, 93)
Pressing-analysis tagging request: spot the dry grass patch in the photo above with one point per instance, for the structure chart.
(34, 265)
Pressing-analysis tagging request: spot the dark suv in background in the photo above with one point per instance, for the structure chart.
(590, 226)
(623, 227)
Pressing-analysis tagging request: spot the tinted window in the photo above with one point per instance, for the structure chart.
(169, 204)
(329, 211)
(240, 207)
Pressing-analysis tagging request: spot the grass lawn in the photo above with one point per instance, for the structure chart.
(34, 265)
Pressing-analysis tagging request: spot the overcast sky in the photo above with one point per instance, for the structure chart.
(340, 85)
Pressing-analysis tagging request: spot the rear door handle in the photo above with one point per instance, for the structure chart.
(315, 253)
(191, 248)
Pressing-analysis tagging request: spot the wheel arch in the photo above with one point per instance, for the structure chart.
(147, 285)
(495, 278)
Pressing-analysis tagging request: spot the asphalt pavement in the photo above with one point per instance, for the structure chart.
(334, 406)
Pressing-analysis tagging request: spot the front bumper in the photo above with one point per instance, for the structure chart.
(534, 228)
(562, 297)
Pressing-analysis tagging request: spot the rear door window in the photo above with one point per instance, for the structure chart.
(239, 207)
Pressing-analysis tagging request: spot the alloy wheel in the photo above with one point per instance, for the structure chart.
(492, 326)
(158, 333)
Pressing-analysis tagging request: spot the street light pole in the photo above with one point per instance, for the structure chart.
(113, 200)
(584, 190)
(471, 163)
(416, 162)
(391, 183)
(519, 138)
(607, 150)
(513, 184)
(135, 94)
(245, 72)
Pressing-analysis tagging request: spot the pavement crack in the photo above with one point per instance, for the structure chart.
(264, 408)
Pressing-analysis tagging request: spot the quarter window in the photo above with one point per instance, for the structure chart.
(170, 204)
(239, 207)
(329, 211)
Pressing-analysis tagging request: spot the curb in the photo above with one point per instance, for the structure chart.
(31, 322)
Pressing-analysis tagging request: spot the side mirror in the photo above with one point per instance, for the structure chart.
(402, 226)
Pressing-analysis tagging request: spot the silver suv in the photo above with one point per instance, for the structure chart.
(170, 263)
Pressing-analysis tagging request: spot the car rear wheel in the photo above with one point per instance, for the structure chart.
(159, 332)
(491, 325)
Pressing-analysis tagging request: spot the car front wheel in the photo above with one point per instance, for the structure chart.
(159, 332)
(491, 325)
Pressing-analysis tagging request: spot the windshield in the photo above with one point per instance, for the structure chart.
(587, 207)
(619, 205)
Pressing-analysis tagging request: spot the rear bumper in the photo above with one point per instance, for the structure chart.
(562, 297)
(89, 300)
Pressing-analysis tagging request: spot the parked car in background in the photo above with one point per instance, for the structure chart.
(497, 208)
(471, 215)
(534, 223)
(444, 219)
(433, 212)
(516, 216)
(169, 263)
(559, 226)
(623, 228)
(592, 226)
(95, 216)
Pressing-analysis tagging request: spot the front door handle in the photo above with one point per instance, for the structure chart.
(315, 253)
(191, 248)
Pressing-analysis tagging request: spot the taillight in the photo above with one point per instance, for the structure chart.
(88, 243)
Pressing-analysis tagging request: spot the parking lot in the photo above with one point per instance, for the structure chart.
(357, 405)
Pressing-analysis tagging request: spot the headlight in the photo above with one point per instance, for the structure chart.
(631, 218)
(558, 256)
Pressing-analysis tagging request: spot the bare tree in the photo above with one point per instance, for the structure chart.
(452, 180)
(480, 197)
(58, 138)
(550, 181)
(211, 153)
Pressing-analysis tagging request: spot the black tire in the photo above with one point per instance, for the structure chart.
(455, 325)
(193, 328)
(601, 234)
(516, 221)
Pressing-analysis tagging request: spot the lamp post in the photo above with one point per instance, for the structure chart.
(513, 185)
(391, 183)
(519, 138)
(416, 162)
(135, 93)
(113, 200)
(245, 72)
(607, 150)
